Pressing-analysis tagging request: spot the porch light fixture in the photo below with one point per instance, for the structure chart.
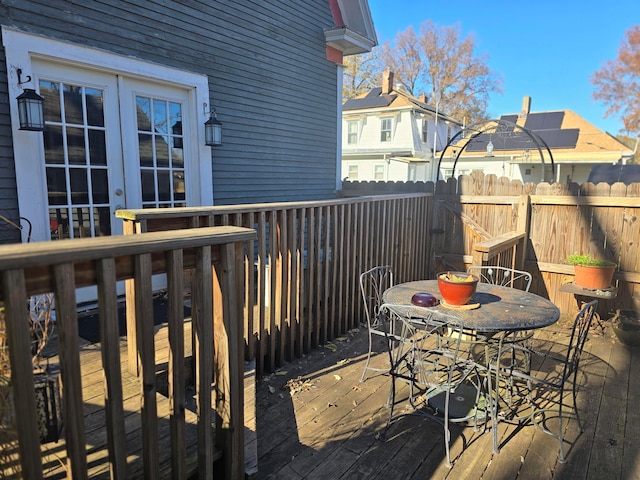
(30, 106)
(490, 149)
(213, 131)
(31, 110)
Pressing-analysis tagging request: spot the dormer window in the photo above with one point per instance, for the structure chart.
(385, 129)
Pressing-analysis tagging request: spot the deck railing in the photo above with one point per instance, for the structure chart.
(215, 255)
(301, 282)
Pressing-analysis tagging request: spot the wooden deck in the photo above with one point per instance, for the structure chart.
(315, 420)
(94, 415)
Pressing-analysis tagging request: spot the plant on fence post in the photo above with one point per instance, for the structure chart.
(592, 273)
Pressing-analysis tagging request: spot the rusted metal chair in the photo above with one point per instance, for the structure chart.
(506, 277)
(373, 283)
(545, 387)
(444, 383)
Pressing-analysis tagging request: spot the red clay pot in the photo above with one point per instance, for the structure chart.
(457, 293)
(594, 277)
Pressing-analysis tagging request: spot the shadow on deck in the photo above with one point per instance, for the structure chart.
(315, 420)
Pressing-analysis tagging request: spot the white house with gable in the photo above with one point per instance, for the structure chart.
(389, 135)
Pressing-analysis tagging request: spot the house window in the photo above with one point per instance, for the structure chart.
(353, 172)
(378, 172)
(425, 131)
(352, 132)
(385, 130)
(448, 173)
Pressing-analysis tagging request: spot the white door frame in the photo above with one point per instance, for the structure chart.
(21, 48)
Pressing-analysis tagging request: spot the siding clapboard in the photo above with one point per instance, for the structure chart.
(274, 91)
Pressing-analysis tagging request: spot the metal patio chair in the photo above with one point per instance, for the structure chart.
(545, 387)
(444, 384)
(506, 277)
(373, 283)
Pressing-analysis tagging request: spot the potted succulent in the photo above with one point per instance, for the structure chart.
(592, 273)
(457, 288)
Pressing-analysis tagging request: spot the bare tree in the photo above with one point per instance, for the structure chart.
(404, 58)
(617, 83)
(360, 73)
(442, 64)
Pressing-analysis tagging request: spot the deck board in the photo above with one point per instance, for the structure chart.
(94, 414)
(332, 429)
(330, 424)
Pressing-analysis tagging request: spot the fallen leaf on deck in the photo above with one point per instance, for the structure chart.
(272, 389)
(341, 339)
(298, 385)
(337, 377)
(281, 372)
(331, 347)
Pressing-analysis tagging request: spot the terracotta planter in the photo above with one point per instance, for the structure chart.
(457, 293)
(594, 277)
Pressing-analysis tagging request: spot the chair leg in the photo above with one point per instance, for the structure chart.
(366, 364)
(561, 458)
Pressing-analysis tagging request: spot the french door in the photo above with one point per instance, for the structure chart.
(109, 143)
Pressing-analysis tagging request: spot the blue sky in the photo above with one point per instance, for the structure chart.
(545, 49)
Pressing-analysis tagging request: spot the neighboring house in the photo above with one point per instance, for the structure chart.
(129, 85)
(389, 135)
(574, 144)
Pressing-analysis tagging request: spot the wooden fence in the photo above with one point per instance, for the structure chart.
(60, 267)
(301, 275)
(557, 219)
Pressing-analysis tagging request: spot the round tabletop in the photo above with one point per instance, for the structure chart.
(501, 308)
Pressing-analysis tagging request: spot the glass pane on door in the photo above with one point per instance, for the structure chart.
(75, 160)
(160, 150)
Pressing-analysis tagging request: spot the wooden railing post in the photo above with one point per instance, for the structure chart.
(228, 358)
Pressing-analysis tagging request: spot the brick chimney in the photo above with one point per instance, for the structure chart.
(526, 106)
(387, 81)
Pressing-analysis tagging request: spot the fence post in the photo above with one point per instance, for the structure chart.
(523, 226)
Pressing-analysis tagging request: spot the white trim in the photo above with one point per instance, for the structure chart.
(21, 48)
(339, 73)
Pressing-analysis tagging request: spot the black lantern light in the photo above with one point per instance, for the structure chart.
(31, 110)
(213, 131)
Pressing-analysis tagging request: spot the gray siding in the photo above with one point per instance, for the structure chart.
(272, 87)
(8, 194)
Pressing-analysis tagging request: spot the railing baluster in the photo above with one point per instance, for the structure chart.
(110, 351)
(202, 315)
(69, 353)
(19, 341)
(177, 377)
(147, 364)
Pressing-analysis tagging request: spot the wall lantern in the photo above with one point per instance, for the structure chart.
(490, 149)
(31, 111)
(30, 107)
(213, 131)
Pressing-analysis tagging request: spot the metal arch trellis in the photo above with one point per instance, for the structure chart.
(499, 128)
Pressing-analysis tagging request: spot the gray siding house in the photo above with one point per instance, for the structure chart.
(129, 85)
